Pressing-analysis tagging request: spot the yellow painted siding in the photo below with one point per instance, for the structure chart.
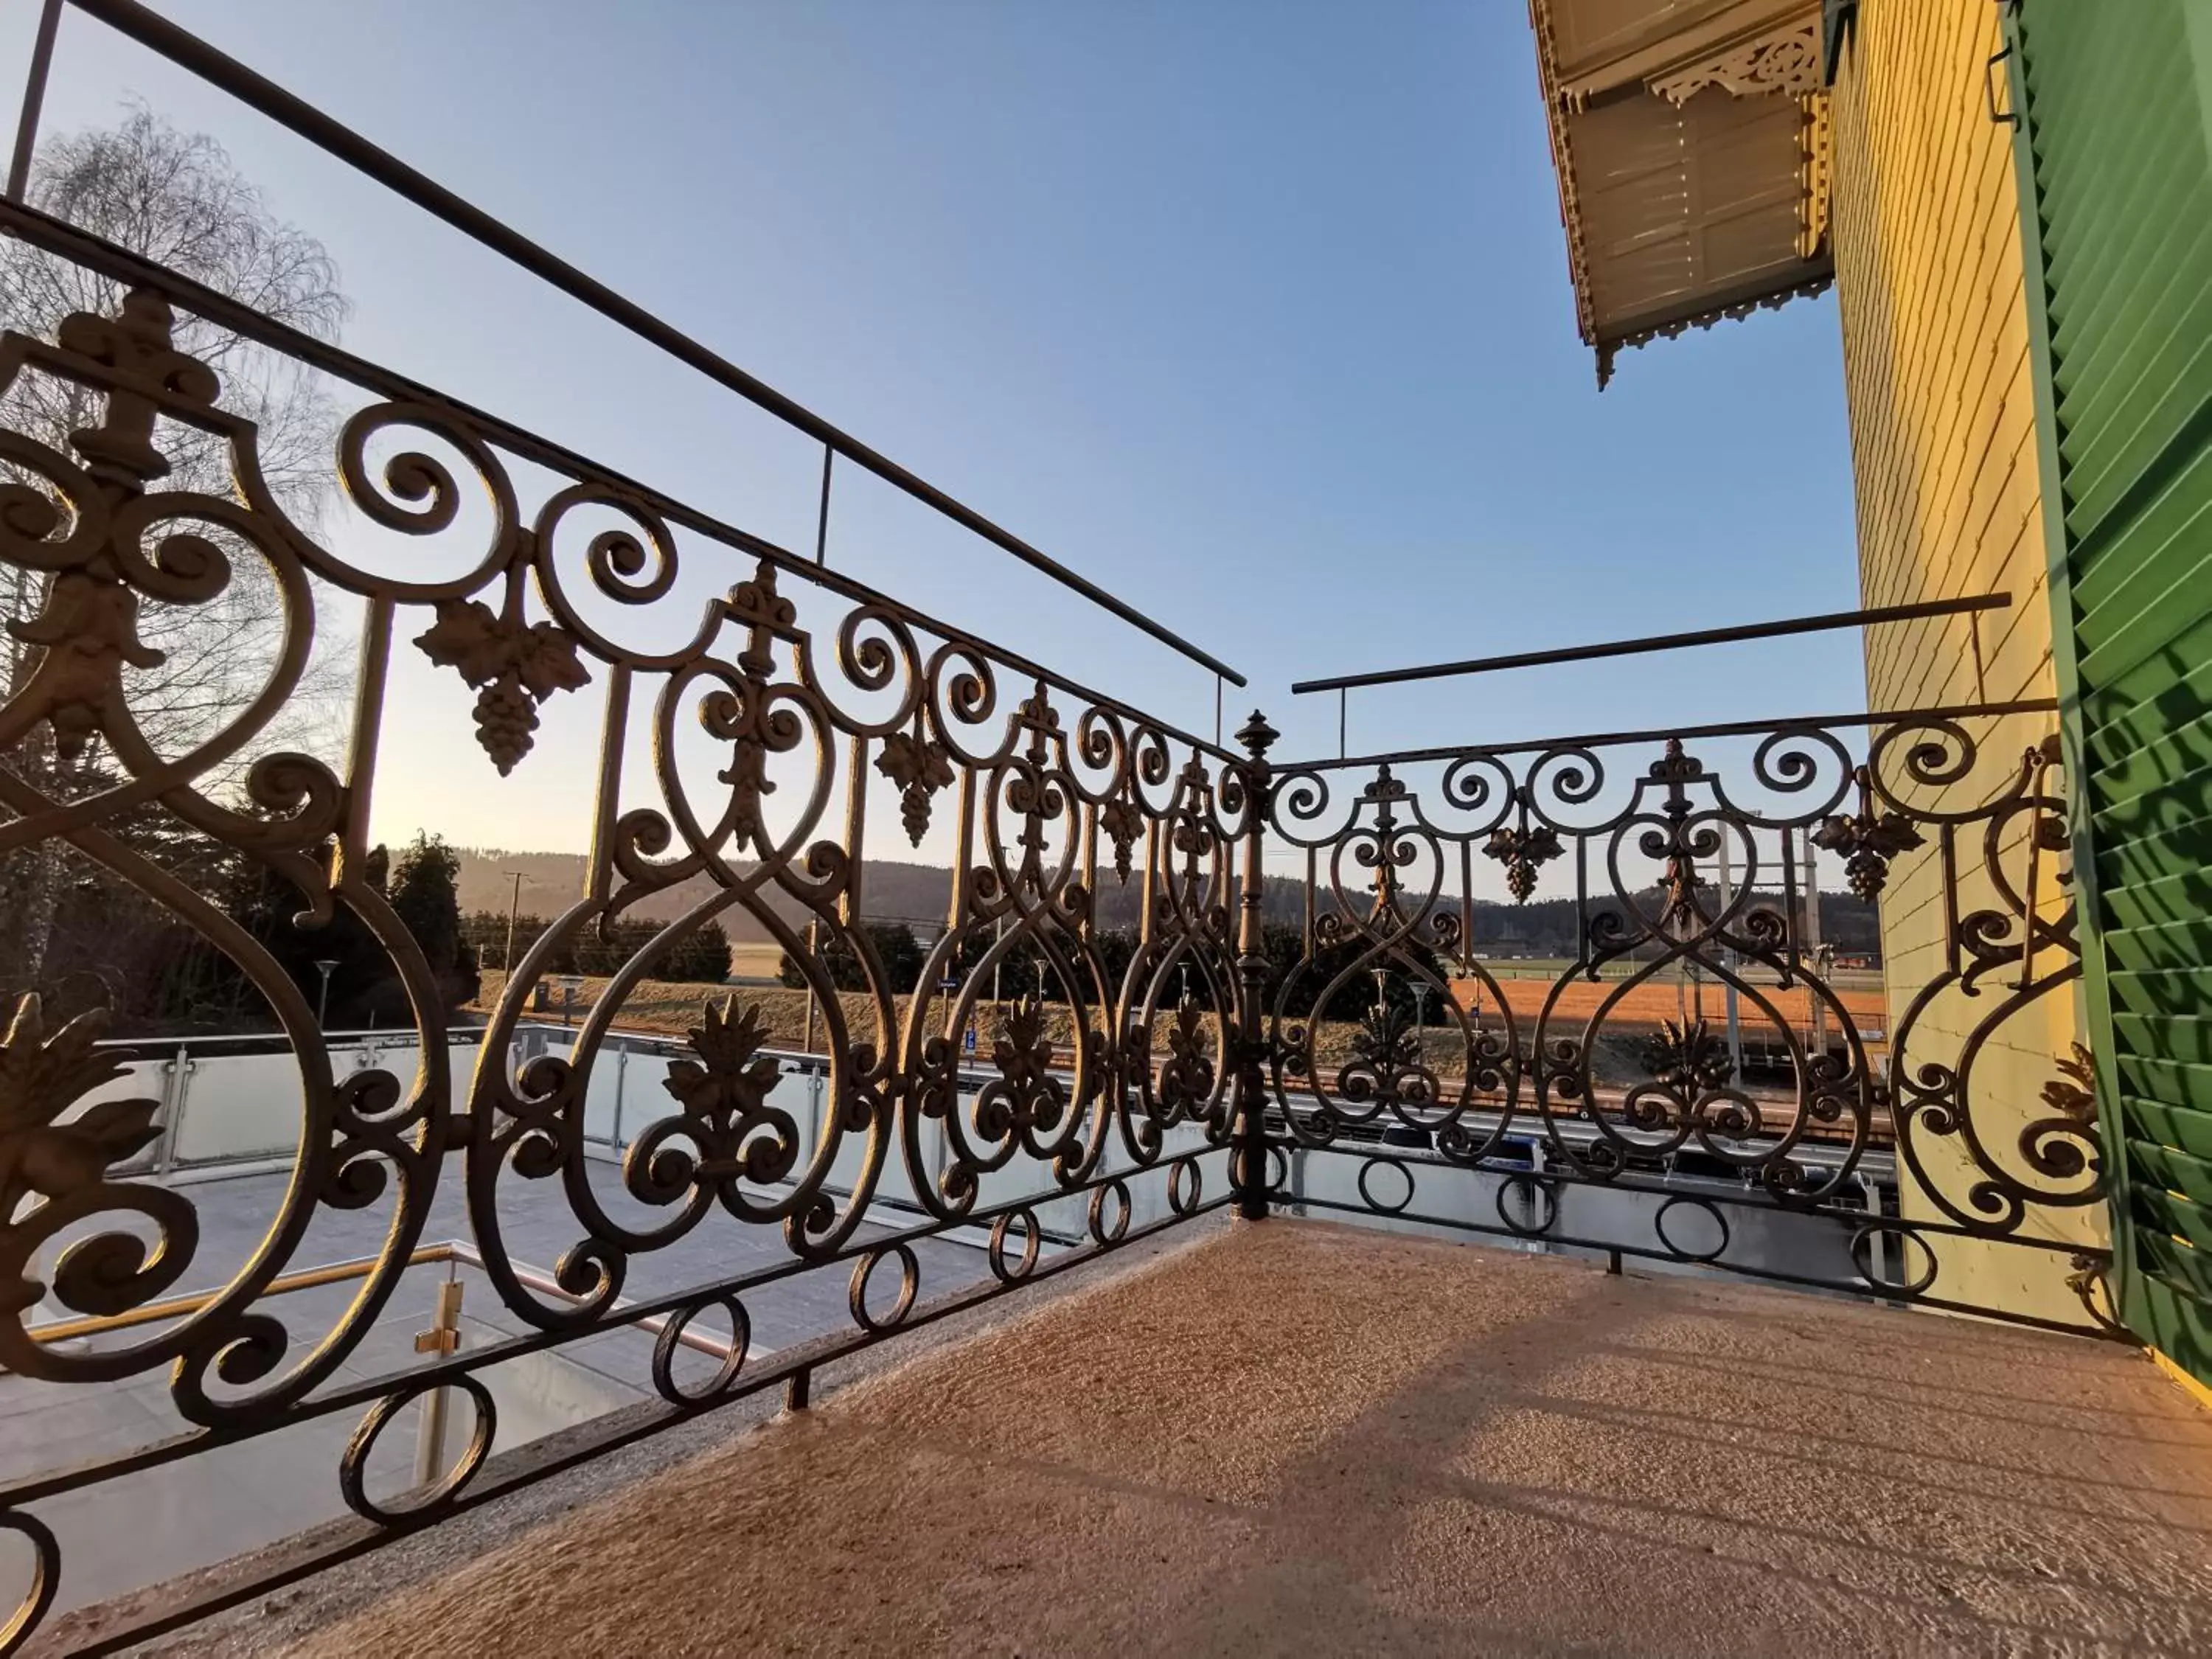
(1926, 229)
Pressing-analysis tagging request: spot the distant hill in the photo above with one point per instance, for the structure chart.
(890, 891)
(894, 891)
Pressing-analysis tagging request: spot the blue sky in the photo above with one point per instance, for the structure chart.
(1257, 314)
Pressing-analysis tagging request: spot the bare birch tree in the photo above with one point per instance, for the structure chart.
(178, 199)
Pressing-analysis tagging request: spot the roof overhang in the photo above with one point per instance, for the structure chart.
(1691, 142)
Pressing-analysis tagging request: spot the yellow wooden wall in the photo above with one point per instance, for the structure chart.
(1926, 232)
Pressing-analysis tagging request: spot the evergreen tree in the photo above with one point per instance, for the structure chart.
(426, 896)
(901, 953)
(703, 956)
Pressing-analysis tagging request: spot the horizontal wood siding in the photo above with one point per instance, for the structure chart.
(1938, 367)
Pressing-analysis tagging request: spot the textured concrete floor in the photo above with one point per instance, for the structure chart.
(1298, 1439)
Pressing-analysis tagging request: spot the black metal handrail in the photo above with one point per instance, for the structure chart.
(1871, 717)
(1826, 623)
(197, 57)
(57, 236)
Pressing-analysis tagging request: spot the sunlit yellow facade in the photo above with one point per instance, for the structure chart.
(1926, 229)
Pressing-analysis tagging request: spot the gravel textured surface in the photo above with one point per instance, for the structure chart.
(1300, 1439)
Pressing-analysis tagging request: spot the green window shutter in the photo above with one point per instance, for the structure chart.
(2114, 158)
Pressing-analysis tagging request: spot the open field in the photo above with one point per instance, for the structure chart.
(1645, 1006)
(1550, 968)
(755, 959)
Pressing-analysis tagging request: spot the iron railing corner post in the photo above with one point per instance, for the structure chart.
(1258, 777)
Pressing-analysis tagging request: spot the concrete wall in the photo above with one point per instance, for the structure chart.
(1926, 228)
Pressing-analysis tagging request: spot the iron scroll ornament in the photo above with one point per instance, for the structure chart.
(1044, 793)
(99, 542)
(1389, 886)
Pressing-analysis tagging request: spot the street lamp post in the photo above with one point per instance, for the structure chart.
(1733, 964)
(947, 983)
(813, 954)
(1814, 948)
(325, 966)
(513, 910)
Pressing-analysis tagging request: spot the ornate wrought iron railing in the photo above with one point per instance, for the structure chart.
(1691, 892)
(747, 764)
(1201, 1050)
(769, 752)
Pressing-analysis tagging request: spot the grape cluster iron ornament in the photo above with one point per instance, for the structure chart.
(1869, 839)
(515, 665)
(1522, 850)
(919, 766)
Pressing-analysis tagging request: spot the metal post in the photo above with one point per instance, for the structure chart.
(1734, 962)
(946, 985)
(325, 966)
(1877, 1254)
(622, 1072)
(226, 74)
(813, 954)
(513, 910)
(1812, 944)
(173, 1110)
(34, 98)
(1257, 736)
(444, 1337)
(942, 1145)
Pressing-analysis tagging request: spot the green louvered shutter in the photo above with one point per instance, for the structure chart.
(2115, 163)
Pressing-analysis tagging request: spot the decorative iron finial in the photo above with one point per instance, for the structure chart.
(138, 345)
(1256, 735)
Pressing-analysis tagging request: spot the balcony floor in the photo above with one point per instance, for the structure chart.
(1303, 1438)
